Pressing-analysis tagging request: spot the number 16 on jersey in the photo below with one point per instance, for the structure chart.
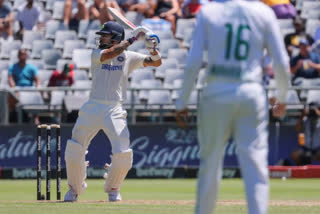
(237, 46)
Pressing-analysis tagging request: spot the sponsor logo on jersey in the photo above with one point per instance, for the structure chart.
(111, 67)
(120, 58)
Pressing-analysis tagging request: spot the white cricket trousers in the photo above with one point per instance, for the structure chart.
(107, 116)
(241, 112)
(94, 116)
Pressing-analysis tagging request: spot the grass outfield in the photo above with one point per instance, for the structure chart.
(159, 197)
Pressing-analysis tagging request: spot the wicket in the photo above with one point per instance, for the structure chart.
(48, 129)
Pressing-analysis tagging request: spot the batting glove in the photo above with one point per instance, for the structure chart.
(139, 32)
(151, 41)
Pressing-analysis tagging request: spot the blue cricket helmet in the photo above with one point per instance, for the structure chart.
(113, 28)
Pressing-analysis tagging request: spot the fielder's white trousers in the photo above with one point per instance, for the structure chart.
(241, 112)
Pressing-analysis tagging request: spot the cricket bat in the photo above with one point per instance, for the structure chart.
(120, 18)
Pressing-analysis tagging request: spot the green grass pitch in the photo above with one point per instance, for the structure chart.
(158, 196)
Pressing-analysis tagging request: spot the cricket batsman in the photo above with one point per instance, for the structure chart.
(111, 65)
(234, 102)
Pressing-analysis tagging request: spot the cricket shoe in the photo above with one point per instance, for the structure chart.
(71, 196)
(114, 196)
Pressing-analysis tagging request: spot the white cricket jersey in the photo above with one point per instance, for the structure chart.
(235, 33)
(110, 77)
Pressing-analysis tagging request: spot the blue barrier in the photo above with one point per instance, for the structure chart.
(153, 146)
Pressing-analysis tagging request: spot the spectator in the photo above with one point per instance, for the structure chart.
(309, 136)
(64, 78)
(316, 47)
(142, 8)
(21, 73)
(157, 24)
(74, 11)
(6, 21)
(180, 13)
(307, 63)
(317, 33)
(98, 10)
(282, 8)
(292, 40)
(166, 9)
(127, 4)
(190, 8)
(28, 17)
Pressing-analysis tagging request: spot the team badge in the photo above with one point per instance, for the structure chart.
(120, 58)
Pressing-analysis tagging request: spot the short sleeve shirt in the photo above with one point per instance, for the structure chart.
(306, 71)
(109, 82)
(28, 17)
(23, 76)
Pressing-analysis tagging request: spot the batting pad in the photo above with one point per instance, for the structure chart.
(76, 165)
(121, 163)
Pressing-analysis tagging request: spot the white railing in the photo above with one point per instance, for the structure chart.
(132, 107)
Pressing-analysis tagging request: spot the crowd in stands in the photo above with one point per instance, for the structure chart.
(48, 42)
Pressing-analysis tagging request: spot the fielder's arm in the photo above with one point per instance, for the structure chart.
(279, 56)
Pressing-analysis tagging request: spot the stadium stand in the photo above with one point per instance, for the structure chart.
(167, 44)
(4, 65)
(140, 74)
(29, 37)
(38, 46)
(91, 41)
(7, 47)
(58, 8)
(80, 75)
(36, 62)
(56, 100)
(164, 35)
(80, 58)
(182, 25)
(53, 45)
(188, 33)
(69, 46)
(52, 27)
(179, 54)
(136, 46)
(166, 64)
(44, 76)
(148, 84)
(171, 75)
(13, 58)
(62, 36)
(50, 58)
(159, 97)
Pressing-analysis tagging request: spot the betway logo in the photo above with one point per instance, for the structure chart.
(25, 173)
(153, 172)
(111, 67)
